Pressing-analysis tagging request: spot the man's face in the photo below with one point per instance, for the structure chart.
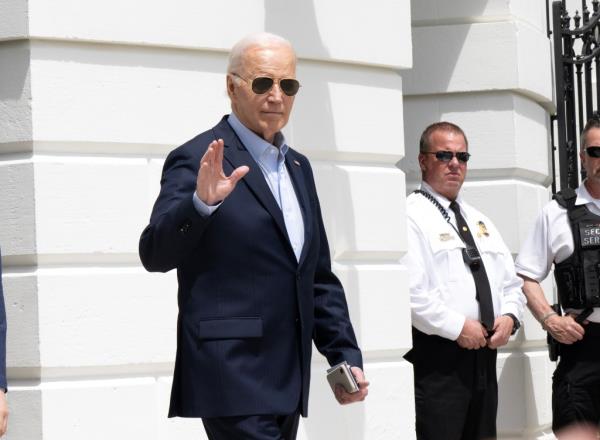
(591, 164)
(264, 114)
(445, 178)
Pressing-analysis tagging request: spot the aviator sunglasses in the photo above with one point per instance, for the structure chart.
(263, 84)
(446, 156)
(593, 151)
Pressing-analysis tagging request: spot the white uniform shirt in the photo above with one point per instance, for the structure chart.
(442, 289)
(551, 241)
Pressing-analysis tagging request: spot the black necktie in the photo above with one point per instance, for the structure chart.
(482, 284)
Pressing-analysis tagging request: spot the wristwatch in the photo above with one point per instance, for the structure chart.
(516, 323)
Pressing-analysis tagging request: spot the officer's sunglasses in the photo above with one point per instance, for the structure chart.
(447, 156)
(263, 84)
(593, 151)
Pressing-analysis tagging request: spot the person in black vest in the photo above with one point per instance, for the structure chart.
(567, 234)
(465, 296)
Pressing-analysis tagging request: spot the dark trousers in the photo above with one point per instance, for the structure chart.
(576, 382)
(456, 390)
(261, 427)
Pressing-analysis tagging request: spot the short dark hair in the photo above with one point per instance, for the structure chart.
(593, 122)
(424, 143)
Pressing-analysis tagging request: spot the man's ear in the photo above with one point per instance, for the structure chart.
(230, 86)
(421, 158)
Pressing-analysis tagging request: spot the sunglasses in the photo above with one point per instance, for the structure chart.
(447, 156)
(593, 151)
(263, 84)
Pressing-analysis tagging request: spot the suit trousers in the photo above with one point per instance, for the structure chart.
(260, 427)
(576, 382)
(456, 390)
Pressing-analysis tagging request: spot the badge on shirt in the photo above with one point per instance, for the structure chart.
(482, 232)
(445, 236)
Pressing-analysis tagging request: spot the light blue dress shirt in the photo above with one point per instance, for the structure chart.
(271, 161)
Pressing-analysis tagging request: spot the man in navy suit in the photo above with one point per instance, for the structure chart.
(239, 218)
(3, 403)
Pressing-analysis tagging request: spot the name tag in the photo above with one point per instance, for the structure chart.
(590, 235)
(446, 237)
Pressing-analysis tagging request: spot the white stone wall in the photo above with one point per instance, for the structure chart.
(93, 94)
(487, 67)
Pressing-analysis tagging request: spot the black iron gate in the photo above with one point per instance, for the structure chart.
(576, 69)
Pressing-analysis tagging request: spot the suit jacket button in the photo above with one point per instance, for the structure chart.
(185, 227)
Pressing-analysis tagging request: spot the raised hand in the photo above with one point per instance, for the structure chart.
(212, 186)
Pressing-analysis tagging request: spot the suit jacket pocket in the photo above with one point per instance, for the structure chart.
(230, 328)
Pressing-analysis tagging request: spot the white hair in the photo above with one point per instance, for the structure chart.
(258, 39)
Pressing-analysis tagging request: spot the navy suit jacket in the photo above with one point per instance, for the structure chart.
(248, 310)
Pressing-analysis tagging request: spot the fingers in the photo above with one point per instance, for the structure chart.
(238, 173)
(214, 155)
(344, 398)
(502, 331)
(498, 340)
(360, 377)
(219, 151)
(213, 148)
(472, 343)
(207, 163)
(482, 337)
(569, 330)
(212, 186)
(500, 336)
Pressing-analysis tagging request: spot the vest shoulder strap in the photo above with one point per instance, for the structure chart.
(566, 198)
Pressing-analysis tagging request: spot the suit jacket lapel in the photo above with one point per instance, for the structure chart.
(237, 155)
(295, 170)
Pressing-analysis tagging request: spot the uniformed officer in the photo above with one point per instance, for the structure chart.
(567, 234)
(466, 299)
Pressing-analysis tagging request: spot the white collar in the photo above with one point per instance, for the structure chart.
(440, 198)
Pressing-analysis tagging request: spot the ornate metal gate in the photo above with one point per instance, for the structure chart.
(576, 67)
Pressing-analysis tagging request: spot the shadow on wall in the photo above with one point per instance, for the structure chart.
(14, 65)
(297, 22)
(424, 79)
(516, 379)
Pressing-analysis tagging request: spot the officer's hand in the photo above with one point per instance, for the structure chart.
(472, 335)
(212, 186)
(503, 326)
(564, 329)
(363, 389)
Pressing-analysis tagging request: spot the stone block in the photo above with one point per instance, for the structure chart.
(508, 134)
(379, 311)
(480, 57)
(361, 219)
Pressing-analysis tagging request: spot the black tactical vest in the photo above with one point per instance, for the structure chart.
(578, 277)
